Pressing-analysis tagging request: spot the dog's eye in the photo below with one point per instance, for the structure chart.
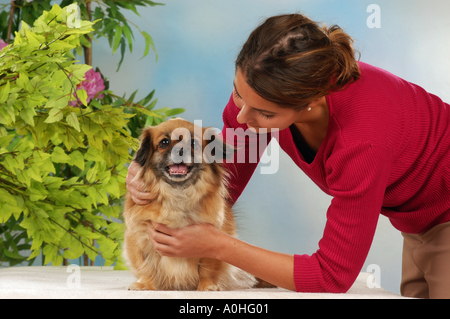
(164, 143)
(195, 144)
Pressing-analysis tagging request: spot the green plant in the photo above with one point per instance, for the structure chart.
(112, 24)
(62, 167)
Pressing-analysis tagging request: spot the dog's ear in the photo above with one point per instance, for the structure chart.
(146, 149)
(216, 149)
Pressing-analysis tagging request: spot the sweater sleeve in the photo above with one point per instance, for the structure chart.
(249, 149)
(357, 177)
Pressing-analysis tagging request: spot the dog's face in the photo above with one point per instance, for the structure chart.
(177, 151)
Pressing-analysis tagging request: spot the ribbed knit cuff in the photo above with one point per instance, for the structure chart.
(307, 274)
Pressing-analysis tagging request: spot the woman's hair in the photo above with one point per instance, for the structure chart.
(290, 60)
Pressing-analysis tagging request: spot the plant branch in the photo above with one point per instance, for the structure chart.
(11, 17)
(88, 50)
(6, 182)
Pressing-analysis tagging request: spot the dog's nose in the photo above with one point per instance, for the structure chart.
(180, 152)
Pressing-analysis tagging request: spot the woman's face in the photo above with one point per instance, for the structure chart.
(258, 113)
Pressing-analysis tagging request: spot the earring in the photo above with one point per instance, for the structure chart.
(309, 109)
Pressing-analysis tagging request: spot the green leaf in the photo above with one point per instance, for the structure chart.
(57, 101)
(35, 253)
(72, 120)
(149, 43)
(40, 158)
(35, 173)
(77, 159)
(93, 155)
(117, 38)
(92, 173)
(6, 140)
(173, 112)
(55, 115)
(50, 252)
(86, 232)
(70, 254)
(129, 35)
(23, 80)
(5, 214)
(27, 115)
(113, 188)
(82, 95)
(122, 53)
(152, 105)
(4, 92)
(131, 98)
(59, 156)
(12, 255)
(36, 192)
(93, 195)
(149, 121)
(24, 178)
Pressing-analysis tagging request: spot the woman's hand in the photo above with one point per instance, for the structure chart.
(135, 187)
(197, 241)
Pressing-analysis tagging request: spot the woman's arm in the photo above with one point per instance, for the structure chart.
(205, 241)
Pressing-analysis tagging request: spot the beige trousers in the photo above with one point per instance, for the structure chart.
(426, 263)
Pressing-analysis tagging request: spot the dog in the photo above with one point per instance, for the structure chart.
(188, 187)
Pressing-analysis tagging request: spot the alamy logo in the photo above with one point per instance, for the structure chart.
(74, 19)
(74, 279)
(374, 20)
(250, 147)
(374, 280)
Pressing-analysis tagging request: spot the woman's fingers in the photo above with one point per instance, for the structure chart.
(135, 188)
(162, 242)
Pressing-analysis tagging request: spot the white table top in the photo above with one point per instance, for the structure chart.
(104, 283)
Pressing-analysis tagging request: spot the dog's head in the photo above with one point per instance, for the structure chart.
(177, 151)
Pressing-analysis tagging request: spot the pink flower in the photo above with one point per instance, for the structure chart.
(92, 84)
(2, 44)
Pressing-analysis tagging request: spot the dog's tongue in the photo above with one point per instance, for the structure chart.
(178, 169)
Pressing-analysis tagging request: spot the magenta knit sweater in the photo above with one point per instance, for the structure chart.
(387, 151)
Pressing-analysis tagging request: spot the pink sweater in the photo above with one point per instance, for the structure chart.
(387, 151)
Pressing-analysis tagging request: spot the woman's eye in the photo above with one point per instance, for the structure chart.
(165, 143)
(265, 116)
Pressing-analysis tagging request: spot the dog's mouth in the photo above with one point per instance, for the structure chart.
(178, 169)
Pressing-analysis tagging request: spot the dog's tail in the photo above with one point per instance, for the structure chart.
(263, 284)
(238, 279)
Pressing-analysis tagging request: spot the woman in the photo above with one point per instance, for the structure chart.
(375, 142)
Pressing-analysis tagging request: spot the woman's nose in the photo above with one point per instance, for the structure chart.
(243, 116)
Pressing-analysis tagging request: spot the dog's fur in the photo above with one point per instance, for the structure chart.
(182, 199)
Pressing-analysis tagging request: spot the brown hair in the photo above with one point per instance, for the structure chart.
(290, 60)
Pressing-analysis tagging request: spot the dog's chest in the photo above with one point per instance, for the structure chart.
(180, 212)
(179, 273)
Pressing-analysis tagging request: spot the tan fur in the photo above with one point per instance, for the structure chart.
(201, 202)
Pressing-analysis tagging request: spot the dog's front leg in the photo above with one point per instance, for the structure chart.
(144, 283)
(210, 271)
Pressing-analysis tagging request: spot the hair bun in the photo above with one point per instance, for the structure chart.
(342, 45)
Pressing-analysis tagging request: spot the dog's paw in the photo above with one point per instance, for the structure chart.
(208, 287)
(137, 286)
